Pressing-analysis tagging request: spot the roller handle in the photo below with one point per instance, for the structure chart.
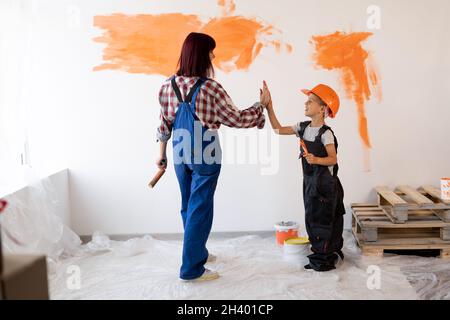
(157, 176)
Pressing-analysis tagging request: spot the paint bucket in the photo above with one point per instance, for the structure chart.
(295, 250)
(295, 245)
(285, 231)
(445, 189)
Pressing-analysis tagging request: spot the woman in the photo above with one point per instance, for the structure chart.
(194, 107)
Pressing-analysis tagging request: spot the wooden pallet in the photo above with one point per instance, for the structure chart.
(378, 248)
(371, 222)
(375, 232)
(399, 203)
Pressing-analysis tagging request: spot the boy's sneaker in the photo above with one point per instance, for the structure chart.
(208, 275)
(308, 267)
(338, 261)
(321, 269)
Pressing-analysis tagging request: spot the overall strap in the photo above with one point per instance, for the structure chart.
(176, 89)
(322, 131)
(335, 140)
(319, 139)
(192, 97)
(194, 91)
(303, 126)
(190, 94)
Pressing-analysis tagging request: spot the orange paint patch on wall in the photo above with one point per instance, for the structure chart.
(142, 43)
(237, 41)
(343, 52)
(151, 44)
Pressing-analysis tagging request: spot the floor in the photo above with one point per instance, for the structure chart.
(251, 267)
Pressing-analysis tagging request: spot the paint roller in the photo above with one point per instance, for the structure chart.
(303, 145)
(158, 175)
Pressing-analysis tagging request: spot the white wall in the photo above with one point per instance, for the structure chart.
(101, 125)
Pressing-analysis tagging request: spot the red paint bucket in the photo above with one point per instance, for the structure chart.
(285, 231)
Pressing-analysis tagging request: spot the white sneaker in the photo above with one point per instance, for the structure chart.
(208, 275)
(211, 258)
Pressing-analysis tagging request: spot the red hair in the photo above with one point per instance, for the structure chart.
(194, 59)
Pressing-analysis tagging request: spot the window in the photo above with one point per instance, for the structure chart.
(15, 58)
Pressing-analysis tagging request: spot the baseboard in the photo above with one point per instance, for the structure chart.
(179, 236)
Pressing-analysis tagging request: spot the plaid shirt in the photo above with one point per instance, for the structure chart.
(213, 107)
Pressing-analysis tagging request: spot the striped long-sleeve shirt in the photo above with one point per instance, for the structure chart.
(213, 107)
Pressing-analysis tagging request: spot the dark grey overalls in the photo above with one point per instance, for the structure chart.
(324, 205)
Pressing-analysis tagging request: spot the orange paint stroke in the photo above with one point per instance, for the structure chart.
(143, 43)
(228, 6)
(343, 52)
(238, 41)
(151, 44)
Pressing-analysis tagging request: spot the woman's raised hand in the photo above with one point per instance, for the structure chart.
(265, 97)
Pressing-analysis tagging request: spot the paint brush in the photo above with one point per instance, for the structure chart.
(303, 145)
(157, 176)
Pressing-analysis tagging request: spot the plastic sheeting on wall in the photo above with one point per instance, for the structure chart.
(33, 225)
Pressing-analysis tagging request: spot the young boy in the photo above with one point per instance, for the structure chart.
(323, 194)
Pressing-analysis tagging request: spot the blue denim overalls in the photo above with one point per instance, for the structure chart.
(197, 166)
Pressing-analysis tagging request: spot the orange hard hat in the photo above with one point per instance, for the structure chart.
(328, 95)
